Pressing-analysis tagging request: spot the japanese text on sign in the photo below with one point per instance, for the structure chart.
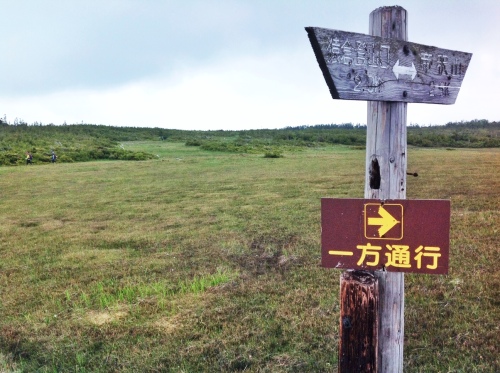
(398, 235)
(397, 256)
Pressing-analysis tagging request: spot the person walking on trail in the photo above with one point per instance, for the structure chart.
(29, 158)
(53, 158)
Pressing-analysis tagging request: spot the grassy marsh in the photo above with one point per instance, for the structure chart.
(201, 261)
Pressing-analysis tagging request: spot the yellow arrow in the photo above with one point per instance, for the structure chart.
(386, 221)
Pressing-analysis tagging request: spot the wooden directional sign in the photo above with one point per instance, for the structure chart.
(397, 235)
(364, 67)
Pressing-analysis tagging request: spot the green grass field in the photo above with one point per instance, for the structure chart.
(210, 262)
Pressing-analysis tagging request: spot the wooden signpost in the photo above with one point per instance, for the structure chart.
(371, 68)
(386, 70)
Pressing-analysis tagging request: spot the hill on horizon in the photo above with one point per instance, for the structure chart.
(86, 142)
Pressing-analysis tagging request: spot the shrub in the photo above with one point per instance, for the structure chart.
(194, 142)
(274, 153)
(10, 159)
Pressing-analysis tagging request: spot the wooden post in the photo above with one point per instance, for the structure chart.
(358, 322)
(366, 328)
(386, 153)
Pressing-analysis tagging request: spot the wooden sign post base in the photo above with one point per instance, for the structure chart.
(359, 295)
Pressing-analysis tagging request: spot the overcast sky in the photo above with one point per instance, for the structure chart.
(217, 64)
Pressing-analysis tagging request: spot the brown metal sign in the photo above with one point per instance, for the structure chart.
(395, 235)
(365, 67)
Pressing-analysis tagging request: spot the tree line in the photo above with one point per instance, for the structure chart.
(85, 142)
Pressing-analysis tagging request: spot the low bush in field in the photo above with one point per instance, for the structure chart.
(10, 159)
(273, 154)
(74, 155)
(83, 155)
(70, 143)
(194, 142)
(270, 149)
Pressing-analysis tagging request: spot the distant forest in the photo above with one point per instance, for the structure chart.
(86, 142)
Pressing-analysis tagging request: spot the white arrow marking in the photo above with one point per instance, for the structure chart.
(397, 69)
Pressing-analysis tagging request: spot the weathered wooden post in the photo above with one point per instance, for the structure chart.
(359, 321)
(385, 178)
(383, 235)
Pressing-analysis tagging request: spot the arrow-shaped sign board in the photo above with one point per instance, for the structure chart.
(364, 67)
(397, 235)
